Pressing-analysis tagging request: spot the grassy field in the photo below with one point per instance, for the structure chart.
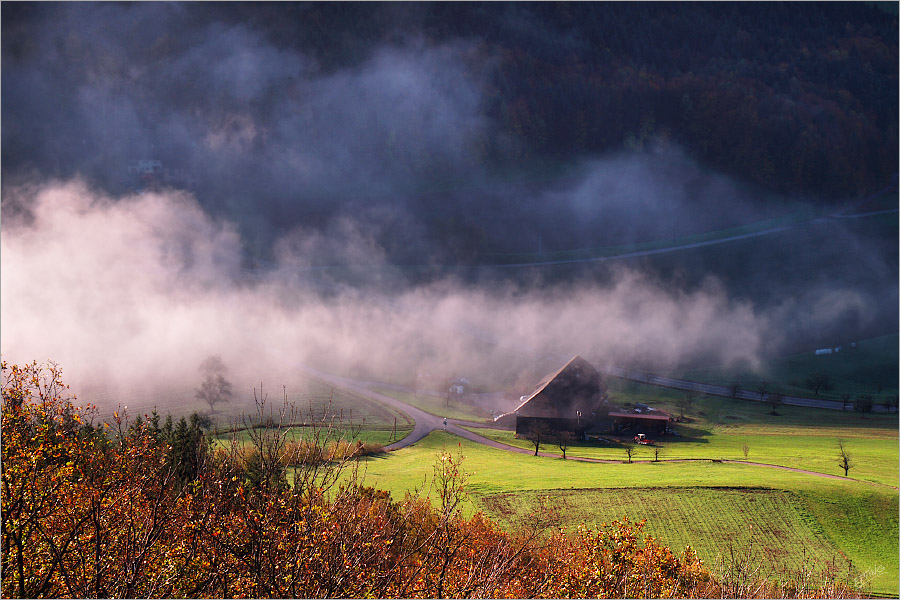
(317, 400)
(440, 407)
(310, 398)
(350, 415)
(770, 525)
(811, 453)
(859, 519)
(719, 428)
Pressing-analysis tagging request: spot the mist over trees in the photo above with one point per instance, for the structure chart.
(214, 388)
(796, 98)
(405, 160)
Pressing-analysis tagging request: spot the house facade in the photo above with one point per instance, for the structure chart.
(572, 399)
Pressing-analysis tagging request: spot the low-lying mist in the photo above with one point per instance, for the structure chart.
(348, 207)
(137, 291)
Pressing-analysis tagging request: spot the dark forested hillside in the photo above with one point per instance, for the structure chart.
(306, 106)
(795, 97)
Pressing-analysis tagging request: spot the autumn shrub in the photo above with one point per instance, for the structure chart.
(619, 561)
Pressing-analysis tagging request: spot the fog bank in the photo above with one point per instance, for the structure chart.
(140, 288)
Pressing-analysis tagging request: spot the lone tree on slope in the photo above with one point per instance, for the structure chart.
(819, 382)
(214, 389)
(686, 400)
(863, 403)
(775, 400)
(537, 433)
(843, 458)
(563, 440)
(629, 450)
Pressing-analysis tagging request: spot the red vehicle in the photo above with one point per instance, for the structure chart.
(643, 439)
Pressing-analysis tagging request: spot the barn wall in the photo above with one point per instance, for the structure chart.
(576, 426)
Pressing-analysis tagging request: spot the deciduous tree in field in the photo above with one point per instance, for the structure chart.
(818, 382)
(863, 403)
(563, 440)
(537, 433)
(844, 460)
(629, 448)
(775, 399)
(686, 400)
(214, 389)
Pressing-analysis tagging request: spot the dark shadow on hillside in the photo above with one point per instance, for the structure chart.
(689, 433)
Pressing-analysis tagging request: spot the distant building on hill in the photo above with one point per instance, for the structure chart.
(572, 399)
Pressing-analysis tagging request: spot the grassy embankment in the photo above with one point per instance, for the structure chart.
(871, 368)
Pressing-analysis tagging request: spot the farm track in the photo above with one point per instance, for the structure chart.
(426, 423)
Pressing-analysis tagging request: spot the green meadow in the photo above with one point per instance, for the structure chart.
(717, 428)
(765, 522)
(799, 515)
(787, 520)
(351, 434)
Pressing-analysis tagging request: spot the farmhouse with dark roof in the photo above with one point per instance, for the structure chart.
(571, 399)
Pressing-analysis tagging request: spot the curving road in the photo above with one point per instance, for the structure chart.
(425, 422)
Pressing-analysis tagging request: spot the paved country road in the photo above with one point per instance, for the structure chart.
(426, 423)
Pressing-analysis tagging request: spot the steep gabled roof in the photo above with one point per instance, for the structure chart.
(576, 386)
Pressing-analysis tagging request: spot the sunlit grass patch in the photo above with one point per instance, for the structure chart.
(770, 524)
(856, 517)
